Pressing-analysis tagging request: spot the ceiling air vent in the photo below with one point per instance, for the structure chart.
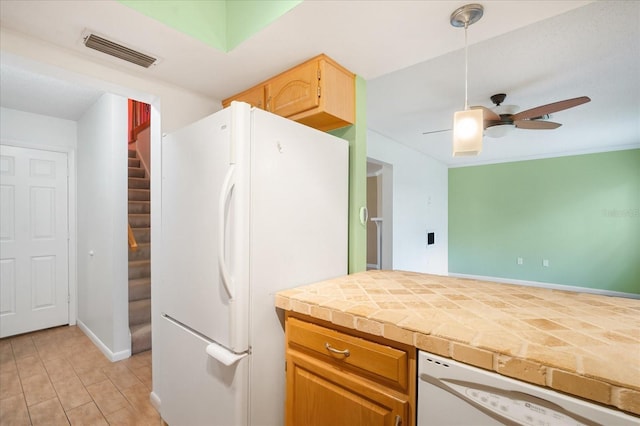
(119, 51)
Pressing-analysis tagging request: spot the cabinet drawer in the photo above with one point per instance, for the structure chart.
(364, 356)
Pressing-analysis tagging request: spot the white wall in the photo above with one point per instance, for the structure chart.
(102, 226)
(37, 131)
(419, 205)
(178, 106)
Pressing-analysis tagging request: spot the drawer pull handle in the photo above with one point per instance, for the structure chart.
(345, 352)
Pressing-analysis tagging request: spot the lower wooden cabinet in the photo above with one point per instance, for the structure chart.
(335, 378)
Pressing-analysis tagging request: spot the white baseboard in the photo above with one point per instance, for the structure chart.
(112, 356)
(155, 401)
(548, 285)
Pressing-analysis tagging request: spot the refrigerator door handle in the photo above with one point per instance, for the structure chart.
(227, 186)
(223, 354)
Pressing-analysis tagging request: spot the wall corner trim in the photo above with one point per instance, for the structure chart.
(112, 356)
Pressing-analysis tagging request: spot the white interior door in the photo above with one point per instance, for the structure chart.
(34, 268)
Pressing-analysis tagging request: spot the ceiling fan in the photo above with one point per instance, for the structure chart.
(497, 119)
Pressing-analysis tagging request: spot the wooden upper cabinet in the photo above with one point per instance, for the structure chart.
(294, 91)
(254, 97)
(319, 93)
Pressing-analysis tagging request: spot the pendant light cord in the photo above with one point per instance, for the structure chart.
(466, 67)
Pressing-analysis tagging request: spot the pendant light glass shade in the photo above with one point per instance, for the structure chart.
(467, 132)
(467, 124)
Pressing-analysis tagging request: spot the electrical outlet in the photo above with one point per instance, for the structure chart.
(545, 262)
(520, 261)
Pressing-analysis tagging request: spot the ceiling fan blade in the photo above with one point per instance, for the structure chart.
(536, 124)
(550, 108)
(487, 114)
(437, 131)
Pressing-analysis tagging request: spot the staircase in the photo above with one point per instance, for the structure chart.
(140, 258)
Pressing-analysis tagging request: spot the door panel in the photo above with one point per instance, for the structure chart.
(7, 287)
(319, 394)
(294, 91)
(34, 240)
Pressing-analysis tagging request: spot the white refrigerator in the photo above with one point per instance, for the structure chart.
(252, 203)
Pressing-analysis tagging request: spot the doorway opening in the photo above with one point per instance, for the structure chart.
(139, 228)
(380, 208)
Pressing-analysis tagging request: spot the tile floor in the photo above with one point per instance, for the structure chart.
(59, 377)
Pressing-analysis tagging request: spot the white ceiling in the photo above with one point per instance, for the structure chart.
(412, 58)
(27, 90)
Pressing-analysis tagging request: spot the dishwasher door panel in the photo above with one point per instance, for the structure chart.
(454, 394)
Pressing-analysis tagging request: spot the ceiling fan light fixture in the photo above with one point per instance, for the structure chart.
(467, 124)
(499, 130)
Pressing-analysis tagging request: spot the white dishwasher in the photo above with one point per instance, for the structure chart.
(454, 394)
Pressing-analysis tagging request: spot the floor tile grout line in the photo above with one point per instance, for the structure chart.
(134, 367)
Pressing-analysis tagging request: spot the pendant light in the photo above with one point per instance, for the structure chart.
(467, 124)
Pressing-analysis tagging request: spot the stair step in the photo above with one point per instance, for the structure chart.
(137, 207)
(139, 288)
(136, 172)
(140, 338)
(139, 269)
(138, 183)
(142, 235)
(142, 220)
(139, 194)
(143, 252)
(139, 260)
(139, 312)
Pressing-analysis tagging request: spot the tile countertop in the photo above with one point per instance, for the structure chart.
(581, 344)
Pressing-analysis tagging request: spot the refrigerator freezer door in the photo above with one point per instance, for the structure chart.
(202, 391)
(202, 283)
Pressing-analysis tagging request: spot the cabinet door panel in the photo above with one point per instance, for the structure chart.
(253, 96)
(319, 395)
(294, 91)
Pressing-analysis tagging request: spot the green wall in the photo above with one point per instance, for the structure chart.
(582, 213)
(222, 24)
(357, 137)
(247, 17)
